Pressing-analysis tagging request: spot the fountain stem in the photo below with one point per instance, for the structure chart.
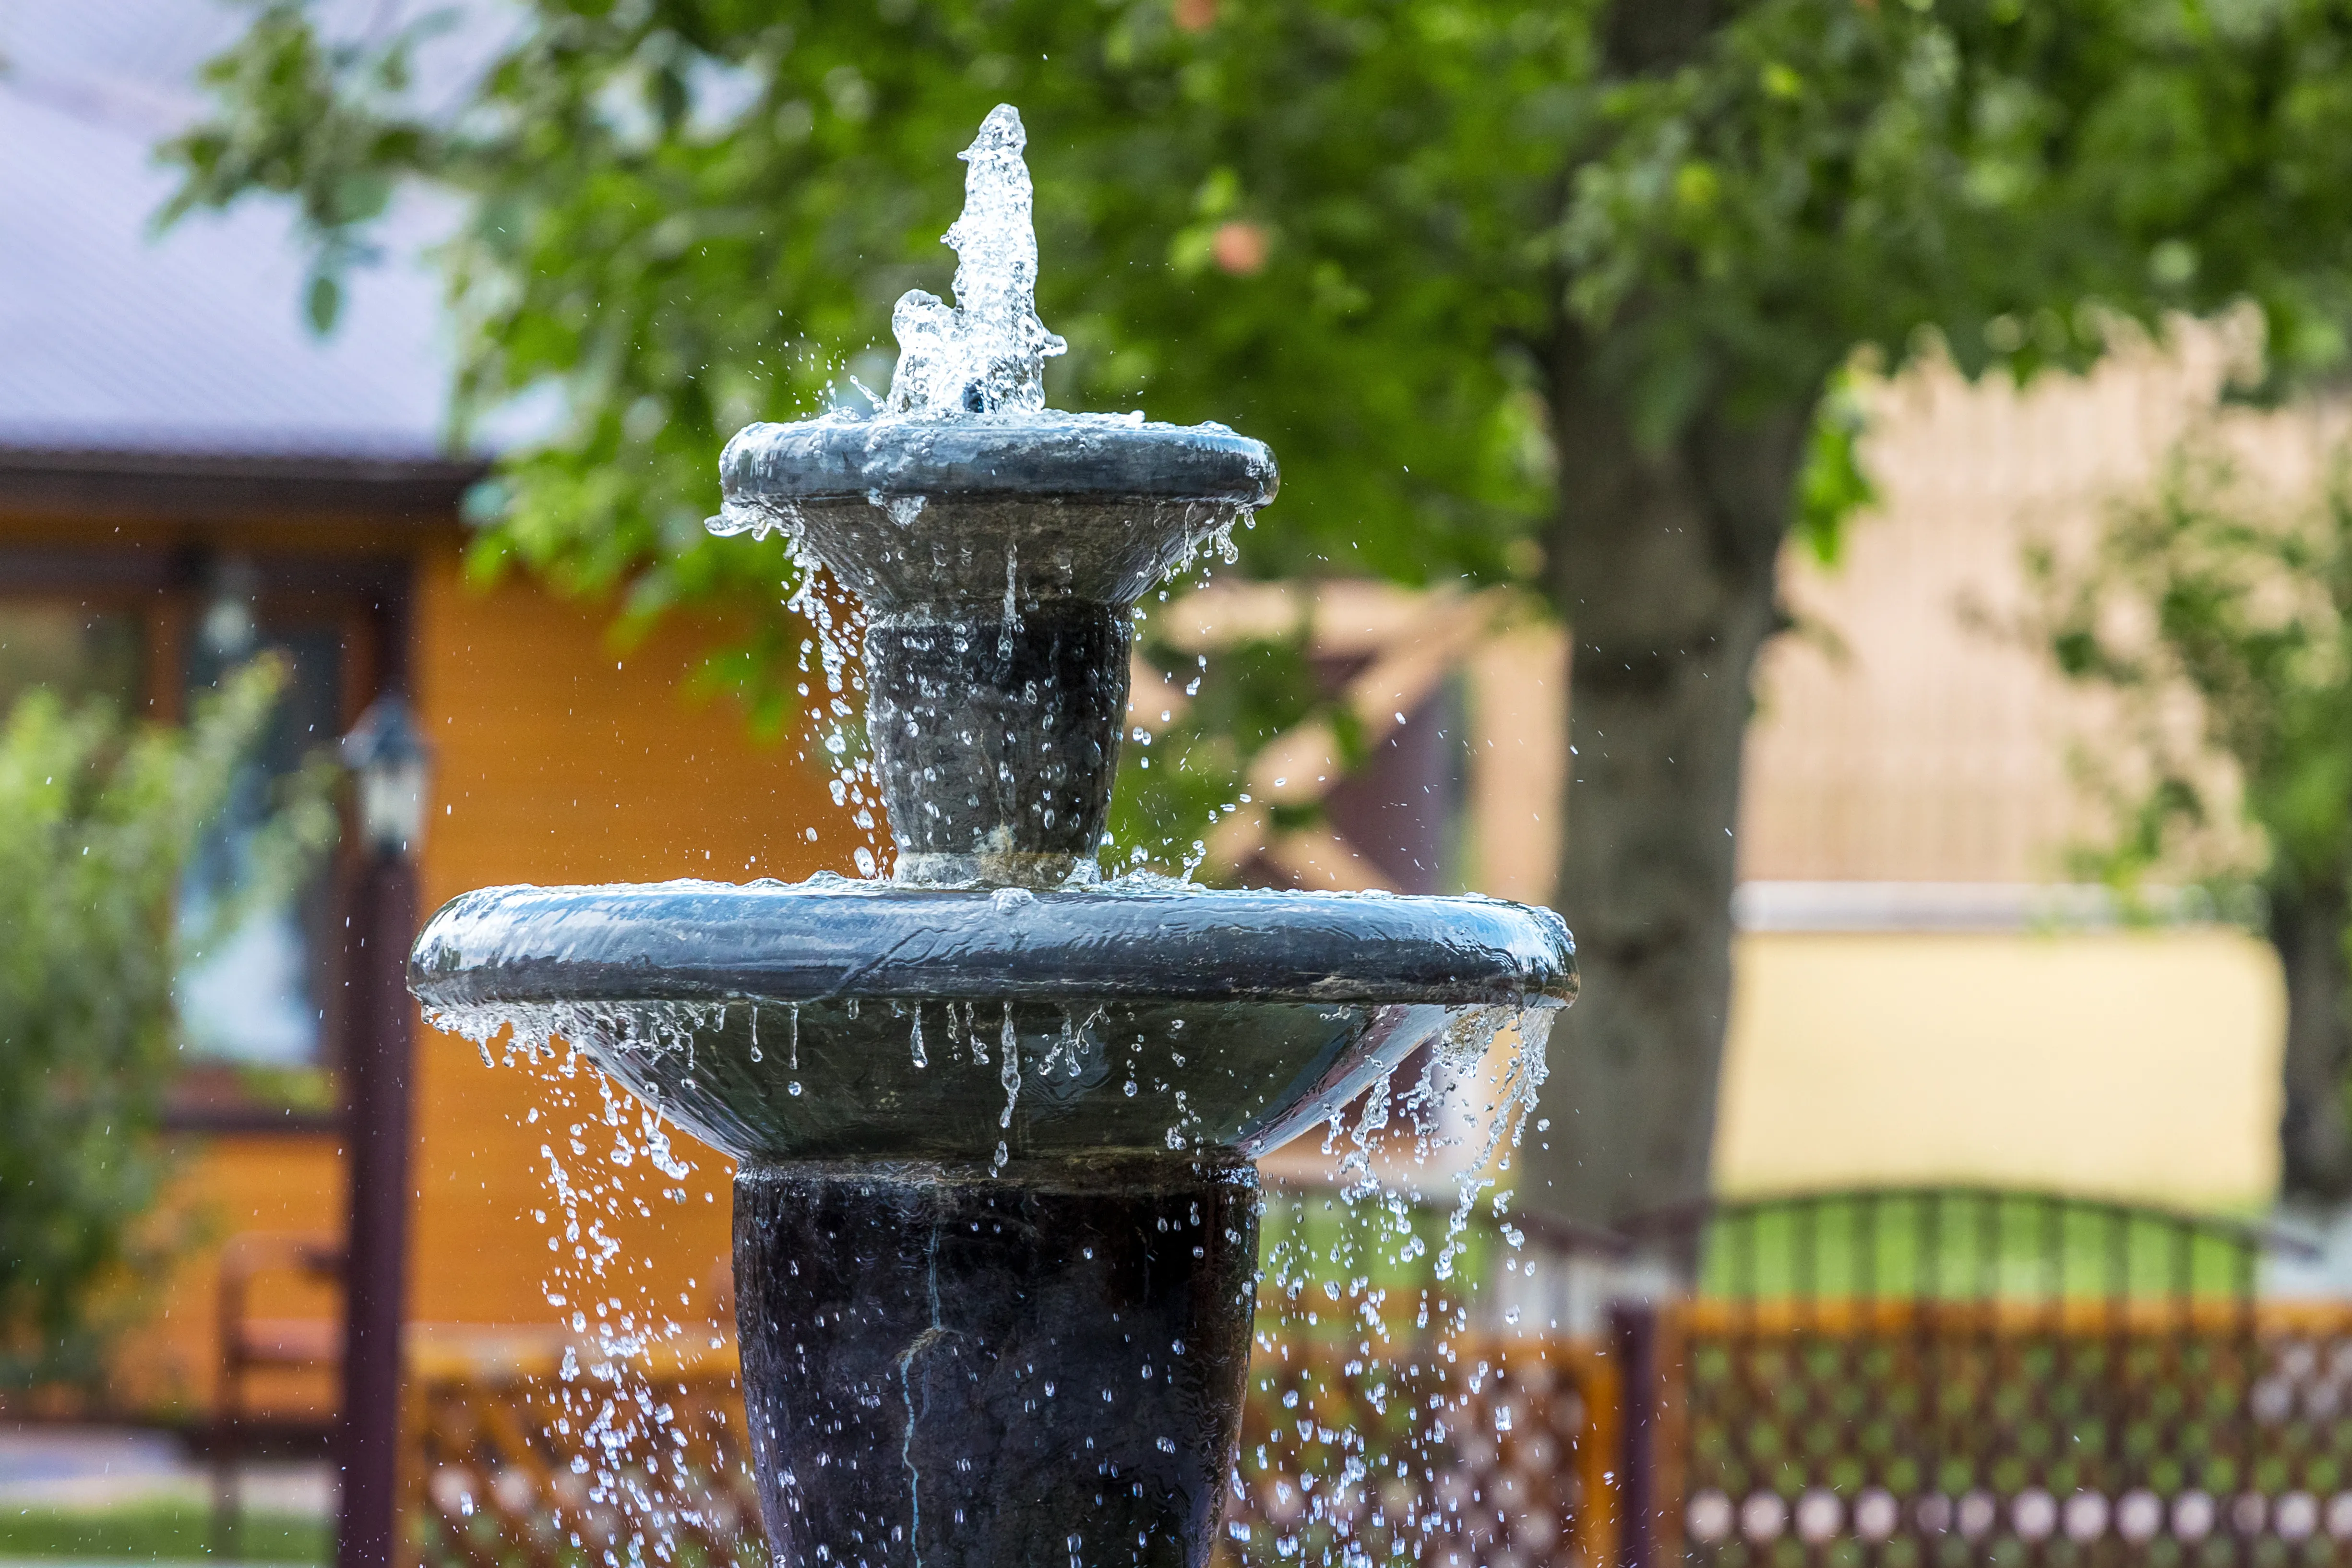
(995, 736)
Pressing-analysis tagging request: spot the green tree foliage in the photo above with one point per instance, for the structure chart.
(2219, 619)
(98, 819)
(1540, 292)
(1189, 773)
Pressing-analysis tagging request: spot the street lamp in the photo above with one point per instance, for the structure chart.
(391, 767)
(388, 760)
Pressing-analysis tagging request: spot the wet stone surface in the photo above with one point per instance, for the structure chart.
(997, 737)
(955, 1370)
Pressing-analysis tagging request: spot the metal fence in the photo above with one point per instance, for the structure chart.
(1960, 1377)
(1918, 1380)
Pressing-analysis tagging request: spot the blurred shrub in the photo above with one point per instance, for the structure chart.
(98, 818)
(2218, 614)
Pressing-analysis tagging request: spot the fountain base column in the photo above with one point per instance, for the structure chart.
(944, 1368)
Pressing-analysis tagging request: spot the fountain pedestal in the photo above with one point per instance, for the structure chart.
(959, 1368)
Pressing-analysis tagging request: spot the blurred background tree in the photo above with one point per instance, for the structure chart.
(1556, 294)
(99, 818)
(2218, 613)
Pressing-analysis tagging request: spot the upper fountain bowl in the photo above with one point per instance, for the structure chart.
(998, 556)
(1095, 508)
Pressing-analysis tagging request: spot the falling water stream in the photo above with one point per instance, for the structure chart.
(1330, 1273)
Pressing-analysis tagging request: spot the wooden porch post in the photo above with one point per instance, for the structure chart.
(378, 1129)
(1634, 1340)
(388, 763)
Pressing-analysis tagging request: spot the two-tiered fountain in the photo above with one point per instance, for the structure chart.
(994, 1118)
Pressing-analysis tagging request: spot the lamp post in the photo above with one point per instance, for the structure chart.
(390, 767)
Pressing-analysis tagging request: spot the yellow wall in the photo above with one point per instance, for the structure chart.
(563, 758)
(2136, 1064)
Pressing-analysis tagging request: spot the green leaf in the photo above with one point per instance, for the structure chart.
(99, 818)
(323, 303)
(1833, 486)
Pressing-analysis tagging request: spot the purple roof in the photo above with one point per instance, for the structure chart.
(115, 339)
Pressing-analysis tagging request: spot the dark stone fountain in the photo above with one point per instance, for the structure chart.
(995, 1210)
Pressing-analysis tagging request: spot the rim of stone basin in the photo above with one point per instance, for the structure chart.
(1033, 455)
(833, 938)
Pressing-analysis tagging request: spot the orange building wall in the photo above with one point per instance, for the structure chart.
(560, 757)
(233, 1185)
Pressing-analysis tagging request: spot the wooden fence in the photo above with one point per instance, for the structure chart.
(1911, 1380)
(532, 1452)
(1473, 1451)
(1479, 1450)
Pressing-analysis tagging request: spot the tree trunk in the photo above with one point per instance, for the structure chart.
(2307, 928)
(1663, 565)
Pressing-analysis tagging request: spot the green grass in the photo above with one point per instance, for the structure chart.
(1323, 1259)
(145, 1532)
(1948, 1245)
(1961, 1246)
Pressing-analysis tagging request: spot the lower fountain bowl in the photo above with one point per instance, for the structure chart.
(835, 1020)
(995, 1222)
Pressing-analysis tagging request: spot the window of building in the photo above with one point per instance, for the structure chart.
(259, 1000)
(255, 993)
(73, 649)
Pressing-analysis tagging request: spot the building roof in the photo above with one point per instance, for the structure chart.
(120, 344)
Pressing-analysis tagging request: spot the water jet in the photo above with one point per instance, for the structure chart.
(994, 1118)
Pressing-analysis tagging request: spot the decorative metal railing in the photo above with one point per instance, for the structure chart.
(1917, 1380)
(1975, 1377)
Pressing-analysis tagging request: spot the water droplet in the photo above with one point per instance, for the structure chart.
(1010, 1077)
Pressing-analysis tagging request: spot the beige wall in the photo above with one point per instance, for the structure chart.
(1904, 736)
(1905, 733)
